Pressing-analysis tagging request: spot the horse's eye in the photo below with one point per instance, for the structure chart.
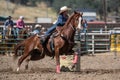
(77, 18)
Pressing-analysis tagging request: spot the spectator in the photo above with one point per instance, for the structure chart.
(84, 25)
(8, 23)
(37, 29)
(20, 25)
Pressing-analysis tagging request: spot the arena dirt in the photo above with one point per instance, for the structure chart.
(102, 66)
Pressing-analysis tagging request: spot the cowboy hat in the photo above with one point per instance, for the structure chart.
(63, 9)
(9, 17)
(21, 17)
(37, 25)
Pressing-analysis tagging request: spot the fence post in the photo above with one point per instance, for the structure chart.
(78, 66)
(93, 44)
(86, 42)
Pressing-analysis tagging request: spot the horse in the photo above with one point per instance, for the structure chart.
(25, 32)
(63, 44)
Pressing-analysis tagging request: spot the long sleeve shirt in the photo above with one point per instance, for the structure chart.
(8, 23)
(61, 20)
(20, 24)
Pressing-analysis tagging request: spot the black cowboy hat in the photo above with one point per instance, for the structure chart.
(9, 17)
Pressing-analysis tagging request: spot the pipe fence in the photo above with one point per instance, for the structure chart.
(97, 39)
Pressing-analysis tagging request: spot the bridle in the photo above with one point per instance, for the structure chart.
(73, 27)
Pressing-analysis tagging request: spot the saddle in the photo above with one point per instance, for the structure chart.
(58, 30)
(56, 33)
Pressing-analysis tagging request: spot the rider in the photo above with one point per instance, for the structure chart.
(62, 18)
(37, 29)
(8, 23)
(20, 25)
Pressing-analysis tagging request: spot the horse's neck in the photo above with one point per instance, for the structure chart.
(69, 32)
(68, 29)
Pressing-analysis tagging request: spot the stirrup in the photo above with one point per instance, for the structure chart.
(43, 39)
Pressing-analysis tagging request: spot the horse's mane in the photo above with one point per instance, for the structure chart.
(68, 21)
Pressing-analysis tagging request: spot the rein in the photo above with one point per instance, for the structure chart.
(74, 29)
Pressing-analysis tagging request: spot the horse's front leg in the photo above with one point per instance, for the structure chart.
(57, 60)
(75, 60)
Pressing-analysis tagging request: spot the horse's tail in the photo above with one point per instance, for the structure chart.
(17, 47)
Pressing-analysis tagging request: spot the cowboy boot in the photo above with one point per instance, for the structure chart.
(43, 39)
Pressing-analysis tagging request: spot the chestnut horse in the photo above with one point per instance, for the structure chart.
(63, 44)
(25, 32)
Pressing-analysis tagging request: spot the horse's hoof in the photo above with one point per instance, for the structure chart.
(18, 69)
(58, 72)
(26, 67)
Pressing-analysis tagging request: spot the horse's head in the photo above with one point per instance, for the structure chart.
(76, 21)
(73, 22)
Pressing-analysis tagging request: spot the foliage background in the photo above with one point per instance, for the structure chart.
(51, 7)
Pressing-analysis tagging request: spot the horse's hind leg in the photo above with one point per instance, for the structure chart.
(21, 59)
(27, 62)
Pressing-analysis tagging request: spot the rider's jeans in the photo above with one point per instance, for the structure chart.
(5, 31)
(14, 32)
(51, 29)
(17, 31)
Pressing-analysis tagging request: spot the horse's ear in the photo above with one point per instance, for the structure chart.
(81, 13)
(75, 12)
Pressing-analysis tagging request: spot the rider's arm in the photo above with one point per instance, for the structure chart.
(5, 25)
(60, 21)
(23, 24)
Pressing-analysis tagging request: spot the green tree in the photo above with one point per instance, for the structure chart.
(112, 5)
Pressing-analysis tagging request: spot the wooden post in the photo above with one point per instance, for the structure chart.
(78, 66)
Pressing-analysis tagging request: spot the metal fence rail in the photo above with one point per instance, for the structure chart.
(93, 41)
(90, 43)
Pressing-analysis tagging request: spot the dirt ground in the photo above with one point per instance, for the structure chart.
(102, 66)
